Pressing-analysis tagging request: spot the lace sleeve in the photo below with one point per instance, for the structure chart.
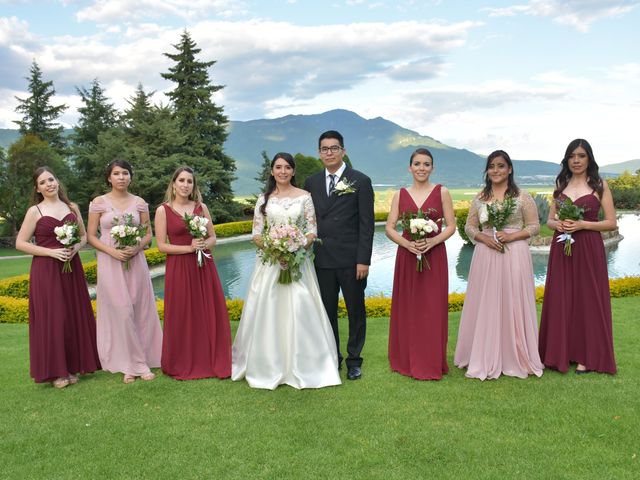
(310, 215)
(471, 228)
(530, 214)
(258, 218)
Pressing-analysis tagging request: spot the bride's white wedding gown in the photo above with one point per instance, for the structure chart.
(284, 336)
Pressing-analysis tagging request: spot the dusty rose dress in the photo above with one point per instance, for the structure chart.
(498, 327)
(128, 328)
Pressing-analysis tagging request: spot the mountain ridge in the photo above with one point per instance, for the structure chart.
(378, 147)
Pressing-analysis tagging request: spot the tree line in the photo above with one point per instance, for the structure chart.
(190, 130)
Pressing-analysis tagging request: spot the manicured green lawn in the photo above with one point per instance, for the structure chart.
(384, 426)
(18, 266)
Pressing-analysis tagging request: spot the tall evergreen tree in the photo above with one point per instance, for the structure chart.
(38, 115)
(204, 125)
(97, 115)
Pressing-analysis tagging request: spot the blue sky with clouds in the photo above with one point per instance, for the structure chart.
(526, 76)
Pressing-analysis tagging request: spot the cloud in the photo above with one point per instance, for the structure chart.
(121, 11)
(578, 14)
(625, 72)
(258, 61)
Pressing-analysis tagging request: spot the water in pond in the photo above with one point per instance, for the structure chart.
(235, 262)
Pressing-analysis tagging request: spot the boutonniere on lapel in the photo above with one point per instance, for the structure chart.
(344, 186)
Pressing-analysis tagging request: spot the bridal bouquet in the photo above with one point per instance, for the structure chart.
(197, 227)
(567, 210)
(126, 233)
(284, 245)
(419, 225)
(496, 214)
(68, 235)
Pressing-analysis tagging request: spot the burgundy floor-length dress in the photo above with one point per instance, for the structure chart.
(418, 328)
(62, 328)
(576, 312)
(197, 334)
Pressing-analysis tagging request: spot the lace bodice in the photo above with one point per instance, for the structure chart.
(525, 216)
(284, 210)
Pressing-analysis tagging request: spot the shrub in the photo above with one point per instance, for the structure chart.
(230, 229)
(91, 271)
(624, 287)
(16, 287)
(626, 190)
(380, 216)
(461, 220)
(155, 257)
(234, 307)
(14, 310)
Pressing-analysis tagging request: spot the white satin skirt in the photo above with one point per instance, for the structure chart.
(284, 336)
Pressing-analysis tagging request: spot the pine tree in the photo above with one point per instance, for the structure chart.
(204, 125)
(38, 115)
(97, 115)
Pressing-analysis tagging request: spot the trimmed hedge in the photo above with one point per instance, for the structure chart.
(16, 310)
(16, 287)
(461, 220)
(230, 229)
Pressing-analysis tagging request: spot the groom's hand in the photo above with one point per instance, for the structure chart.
(361, 271)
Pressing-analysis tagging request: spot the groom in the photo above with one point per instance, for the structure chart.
(343, 200)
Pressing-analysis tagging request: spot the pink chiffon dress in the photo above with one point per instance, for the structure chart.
(499, 328)
(128, 328)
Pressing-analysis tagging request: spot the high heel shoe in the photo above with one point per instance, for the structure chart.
(73, 379)
(148, 376)
(128, 378)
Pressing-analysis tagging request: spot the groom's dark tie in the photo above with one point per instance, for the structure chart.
(332, 183)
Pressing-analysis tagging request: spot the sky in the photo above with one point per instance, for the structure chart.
(525, 76)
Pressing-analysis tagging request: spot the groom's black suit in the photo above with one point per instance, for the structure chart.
(345, 228)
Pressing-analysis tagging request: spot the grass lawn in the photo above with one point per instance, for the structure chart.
(383, 426)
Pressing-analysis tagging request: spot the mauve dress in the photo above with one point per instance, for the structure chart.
(128, 327)
(62, 329)
(576, 324)
(499, 324)
(197, 334)
(418, 329)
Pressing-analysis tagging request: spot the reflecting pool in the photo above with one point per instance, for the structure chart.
(235, 261)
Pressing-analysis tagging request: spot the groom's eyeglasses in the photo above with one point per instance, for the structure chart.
(332, 149)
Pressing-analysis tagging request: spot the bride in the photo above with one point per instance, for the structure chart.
(284, 336)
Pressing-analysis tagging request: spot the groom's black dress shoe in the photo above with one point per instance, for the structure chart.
(354, 373)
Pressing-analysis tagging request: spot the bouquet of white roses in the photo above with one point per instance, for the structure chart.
(126, 233)
(419, 225)
(197, 227)
(68, 235)
(497, 214)
(283, 245)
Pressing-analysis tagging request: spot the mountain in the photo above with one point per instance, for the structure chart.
(617, 168)
(378, 147)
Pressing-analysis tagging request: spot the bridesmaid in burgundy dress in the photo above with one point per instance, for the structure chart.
(576, 313)
(419, 305)
(197, 335)
(62, 328)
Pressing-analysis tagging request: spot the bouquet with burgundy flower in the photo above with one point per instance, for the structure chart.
(419, 225)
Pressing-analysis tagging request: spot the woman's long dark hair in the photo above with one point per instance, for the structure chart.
(271, 182)
(593, 177)
(512, 189)
(37, 197)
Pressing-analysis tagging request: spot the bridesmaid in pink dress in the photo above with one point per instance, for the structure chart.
(576, 325)
(129, 334)
(197, 334)
(499, 323)
(62, 330)
(418, 329)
